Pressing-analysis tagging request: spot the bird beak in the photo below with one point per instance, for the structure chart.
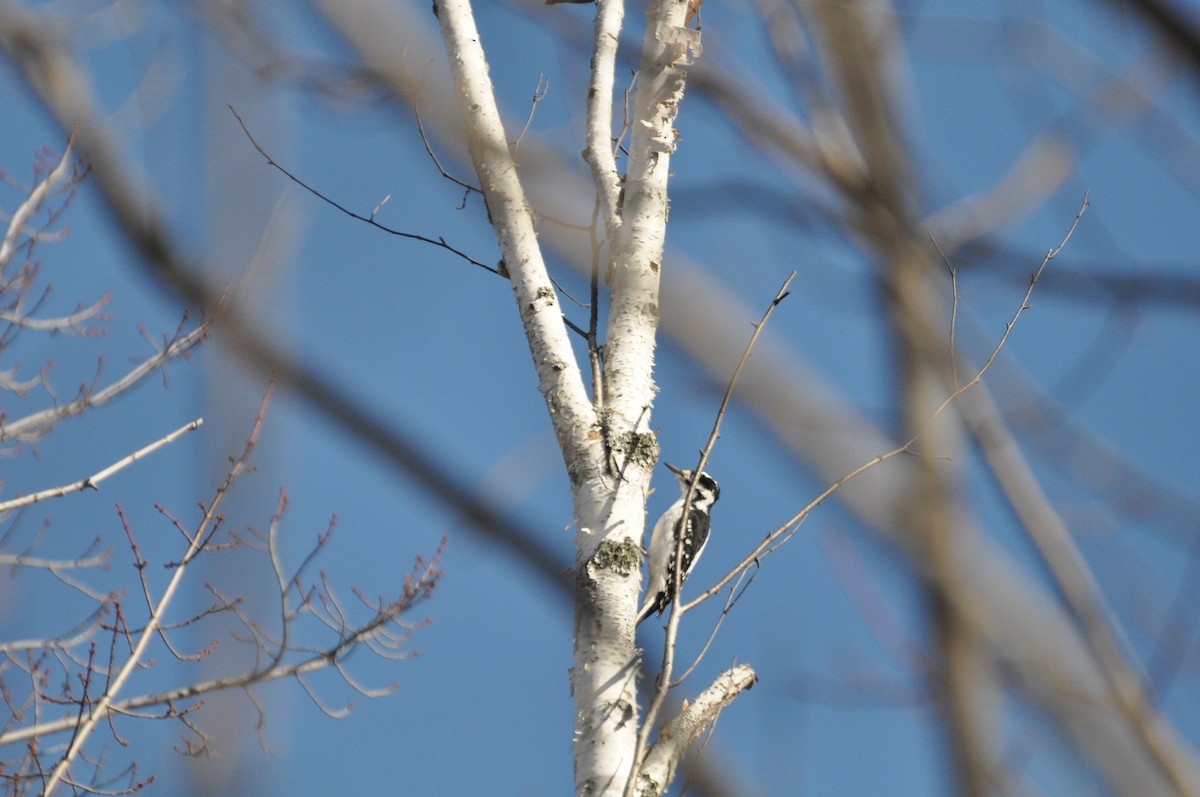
(673, 469)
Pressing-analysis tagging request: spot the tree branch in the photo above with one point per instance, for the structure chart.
(93, 482)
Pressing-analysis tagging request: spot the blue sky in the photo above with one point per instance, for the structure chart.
(434, 345)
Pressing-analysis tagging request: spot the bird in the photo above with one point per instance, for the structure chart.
(663, 540)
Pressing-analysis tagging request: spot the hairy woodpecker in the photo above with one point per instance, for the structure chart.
(660, 589)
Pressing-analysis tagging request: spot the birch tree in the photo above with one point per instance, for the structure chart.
(608, 446)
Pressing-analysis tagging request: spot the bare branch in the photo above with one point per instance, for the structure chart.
(599, 150)
(117, 682)
(61, 175)
(1054, 544)
(677, 736)
(438, 242)
(93, 482)
(785, 530)
(37, 424)
(664, 678)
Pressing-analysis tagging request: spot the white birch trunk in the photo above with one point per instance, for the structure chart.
(608, 448)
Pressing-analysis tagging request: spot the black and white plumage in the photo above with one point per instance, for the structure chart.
(659, 590)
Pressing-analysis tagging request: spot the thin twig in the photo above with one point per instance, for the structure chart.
(438, 242)
(664, 678)
(539, 93)
(953, 311)
(1008, 328)
(467, 187)
(783, 532)
(93, 482)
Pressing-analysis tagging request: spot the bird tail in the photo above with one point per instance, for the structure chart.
(654, 603)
